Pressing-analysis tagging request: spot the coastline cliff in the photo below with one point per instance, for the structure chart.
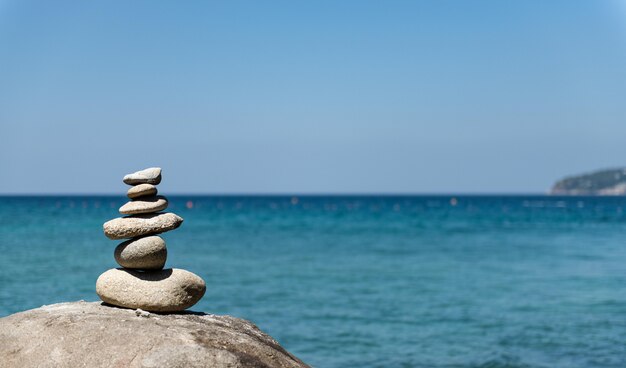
(602, 182)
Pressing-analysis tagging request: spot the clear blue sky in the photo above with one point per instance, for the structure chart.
(310, 97)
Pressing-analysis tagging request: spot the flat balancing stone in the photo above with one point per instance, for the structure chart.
(141, 190)
(140, 225)
(144, 205)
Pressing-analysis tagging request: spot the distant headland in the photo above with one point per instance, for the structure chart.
(601, 182)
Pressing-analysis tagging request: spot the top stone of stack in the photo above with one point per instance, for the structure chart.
(150, 175)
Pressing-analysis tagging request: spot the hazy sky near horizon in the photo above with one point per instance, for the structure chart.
(310, 97)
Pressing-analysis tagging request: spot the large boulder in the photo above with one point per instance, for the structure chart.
(84, 334)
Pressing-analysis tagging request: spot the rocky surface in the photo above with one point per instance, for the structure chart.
(144, 205)
(82, 334)
(141, 190)
(602, 182)
(140, 225)
(150, 175)
(147, 253)
(169, 290)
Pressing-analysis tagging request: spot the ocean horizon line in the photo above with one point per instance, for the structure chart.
(313, 195)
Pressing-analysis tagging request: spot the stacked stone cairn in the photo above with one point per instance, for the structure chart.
(141, 282)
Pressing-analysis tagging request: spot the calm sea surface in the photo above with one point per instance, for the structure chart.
(474, 281)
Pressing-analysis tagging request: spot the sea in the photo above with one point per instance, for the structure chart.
(364, 281)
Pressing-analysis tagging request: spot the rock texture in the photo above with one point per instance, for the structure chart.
(169, 290)
(141, 190)
(603, 183)
(144, 205)
(84, 334)
(150, 175)
(147, 253)
(140, 225)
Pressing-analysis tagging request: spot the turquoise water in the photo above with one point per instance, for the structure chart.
(364, 281)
